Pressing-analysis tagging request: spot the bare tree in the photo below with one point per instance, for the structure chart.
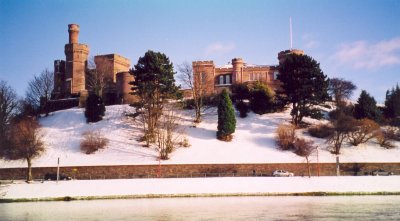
(341, 89)
(8, 107)
(198, 83)
(365, 130)
(26, 143)
(96, 78)
(342, 127)
(168, 133)
(304, 149)
(40, 89)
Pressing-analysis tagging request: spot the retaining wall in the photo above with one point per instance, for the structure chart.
(198, 170)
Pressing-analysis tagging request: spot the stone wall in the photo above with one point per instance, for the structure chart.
(199, 170)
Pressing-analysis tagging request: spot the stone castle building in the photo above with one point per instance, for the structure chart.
(239, 72)
(71, 76)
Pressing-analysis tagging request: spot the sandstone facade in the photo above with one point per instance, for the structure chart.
(70, 75)
(239, 72)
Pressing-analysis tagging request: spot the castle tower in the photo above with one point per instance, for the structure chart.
(204, 71)
(237, 64)
(283, 54)
(59, 79)
(76, 60)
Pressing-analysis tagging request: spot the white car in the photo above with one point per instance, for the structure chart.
(282, 173)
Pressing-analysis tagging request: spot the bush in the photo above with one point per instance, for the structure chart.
(95, 109)
(242, 108)
(384, 138)
(365, 129)
(240, 92)
(286, 136)
(395, 122)
(261, 99)
(346, 110)
(321, 131)
(93, 141)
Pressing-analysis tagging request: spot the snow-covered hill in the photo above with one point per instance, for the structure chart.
(253, 142)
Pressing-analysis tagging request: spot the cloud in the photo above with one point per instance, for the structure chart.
(309, 41)
(364, 55)
(219, 48)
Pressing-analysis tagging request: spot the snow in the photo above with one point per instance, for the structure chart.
(200, 186)
(253, 142)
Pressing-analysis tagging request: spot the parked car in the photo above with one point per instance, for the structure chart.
(53, 176)
(282, 173)
(381, 172)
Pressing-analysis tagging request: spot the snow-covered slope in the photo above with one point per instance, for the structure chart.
(253, 142)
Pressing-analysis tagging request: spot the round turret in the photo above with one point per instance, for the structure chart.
(237, 64)
(282, 55)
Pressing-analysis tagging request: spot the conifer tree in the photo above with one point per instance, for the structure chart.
(94, 108)
(226, 117)
(392, 103)
(154, 84)
(303, 85)
(366, 107)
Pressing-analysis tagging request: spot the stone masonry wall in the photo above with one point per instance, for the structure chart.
(198, 170)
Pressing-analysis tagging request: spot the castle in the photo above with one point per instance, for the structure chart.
(71, 76)
(238, 71)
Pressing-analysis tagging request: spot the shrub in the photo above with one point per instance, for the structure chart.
(365, 129)
(184, 142)
(93, 141)
(316, 114)
(384, 138)
(346, 110)
(242, 108)
(395, 122)
(321, 130)
(286, 136)
(226, 117)
(261, 99)
(94, 108)
(240, 92)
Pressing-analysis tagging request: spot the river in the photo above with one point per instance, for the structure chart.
(211, 208)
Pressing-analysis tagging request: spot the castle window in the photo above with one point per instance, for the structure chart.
(225, 79)
(228, 79)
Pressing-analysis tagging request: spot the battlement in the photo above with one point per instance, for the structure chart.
(237, 60)
(197, 63)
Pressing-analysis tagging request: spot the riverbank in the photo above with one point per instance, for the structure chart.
(20, 191)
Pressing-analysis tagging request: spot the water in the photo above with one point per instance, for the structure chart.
(213, 208)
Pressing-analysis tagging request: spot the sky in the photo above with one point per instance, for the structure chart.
(358, 40)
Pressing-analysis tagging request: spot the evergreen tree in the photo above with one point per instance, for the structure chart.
(366, 107)
(261, 100)
(303, 85)
(94, 108)
(154, 83)
(392, 103)
(226, 117)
